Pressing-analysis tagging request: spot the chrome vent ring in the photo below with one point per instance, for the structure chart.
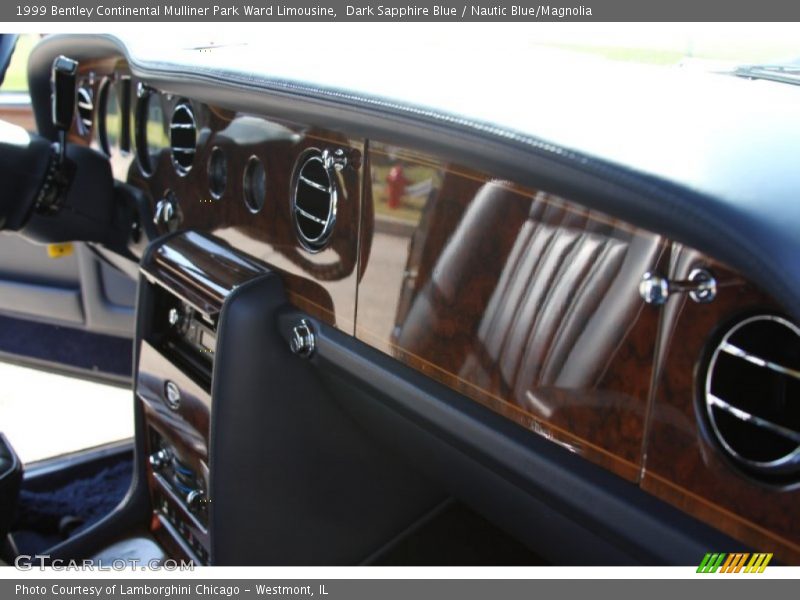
(183, 137)
(85, 98)
(314, 198)
(752, 395)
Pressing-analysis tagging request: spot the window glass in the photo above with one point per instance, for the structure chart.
(16, 79)
(15, 104)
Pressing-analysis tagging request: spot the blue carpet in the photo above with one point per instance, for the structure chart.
(66, 346)
(40, 514)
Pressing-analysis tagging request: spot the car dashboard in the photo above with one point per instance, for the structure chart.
(338, 328)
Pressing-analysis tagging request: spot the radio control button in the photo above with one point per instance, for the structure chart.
(195, 500)
(174, 317)
(158, 460)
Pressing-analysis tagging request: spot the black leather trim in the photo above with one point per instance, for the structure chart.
(565, 508)
(10, 480)
(293, 479)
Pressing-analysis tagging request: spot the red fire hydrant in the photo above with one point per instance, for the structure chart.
(396, 182)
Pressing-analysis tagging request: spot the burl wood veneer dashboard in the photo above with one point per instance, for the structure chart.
(522, 300)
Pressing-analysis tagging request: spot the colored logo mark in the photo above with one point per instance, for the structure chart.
(736, 562)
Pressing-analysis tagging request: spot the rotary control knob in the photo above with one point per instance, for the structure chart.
(158, 460)
(196, 500)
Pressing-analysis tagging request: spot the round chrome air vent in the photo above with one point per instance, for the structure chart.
(254, 184)
(314, 197)
(752, 396)
(183, 137)
(217, 172)
(85, 109)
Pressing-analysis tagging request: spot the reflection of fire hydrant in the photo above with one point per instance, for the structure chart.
(396, 182)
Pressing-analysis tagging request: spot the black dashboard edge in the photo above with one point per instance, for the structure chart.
(295, 481)
(559, 504)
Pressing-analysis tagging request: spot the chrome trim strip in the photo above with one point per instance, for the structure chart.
(747, 417)
(254, 199)
(317, 243)
(315, 185)
(733, 350)
(85, 109)
(184, 115)
(309, 216)
(788, 463)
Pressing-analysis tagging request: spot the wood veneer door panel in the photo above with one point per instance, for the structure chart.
(684, 466)
(519, 299)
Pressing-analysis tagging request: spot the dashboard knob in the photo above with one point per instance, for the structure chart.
(196, 500)
(158, 460)
(302, 341)
(172, 395)
(174, 317)
(701, 286)
(166, 213)
(336, 159)
(654, 289)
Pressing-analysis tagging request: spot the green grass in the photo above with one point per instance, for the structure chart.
(16, 79)
(734, 51)
(651, 56)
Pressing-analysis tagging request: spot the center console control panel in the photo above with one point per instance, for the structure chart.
(186, 279)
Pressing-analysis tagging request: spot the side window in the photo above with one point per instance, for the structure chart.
(15, 103)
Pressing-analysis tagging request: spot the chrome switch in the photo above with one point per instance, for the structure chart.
(166, 213)
(158, 460)
(302, 341)
(174, 317)
(701, 286)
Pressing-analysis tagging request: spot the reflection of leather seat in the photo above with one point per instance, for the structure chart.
(566, 297)
(563, 293)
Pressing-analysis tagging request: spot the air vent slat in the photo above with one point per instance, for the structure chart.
(751, 396)
(309, 215)
(314, 198)
(85, 109)
(754, 419)
(729, 348)
(314, 184)
(183, 137)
